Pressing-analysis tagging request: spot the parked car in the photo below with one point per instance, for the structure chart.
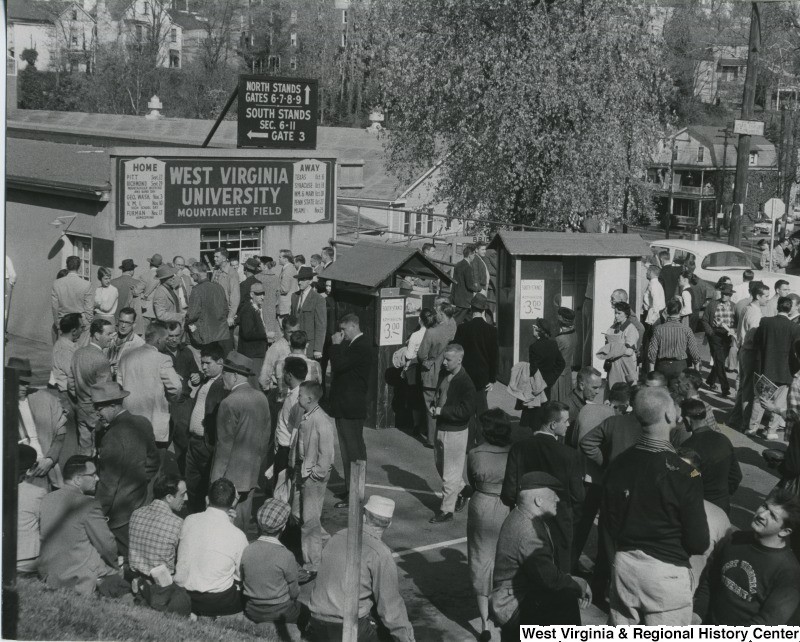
(714, 260)
(763, 227)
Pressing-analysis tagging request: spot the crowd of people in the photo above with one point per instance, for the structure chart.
(187, 436)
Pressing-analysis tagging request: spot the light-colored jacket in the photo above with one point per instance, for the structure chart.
(431, 351)
(149, 376)
(166, 306)
(51, 429)
(287, 286)
(72, 293)
(315, 443)
(228, 278)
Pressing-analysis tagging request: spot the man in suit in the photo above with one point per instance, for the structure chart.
(243, 434)
(149, 376)
(479, 340)
(480, 269)
(166, 305)
(351, 368)
(42, 426)
(453, 408)
(203, 426)
(72, 293)
(126, 460)
(773, 342)
(464, 287)
(545, 453)
(252, 332)
(287, 284)
(251, 268)
(180, 407)
(130, 292)
(78, 549)
(185, 282)
(208, 311)
(309, 308)
(719, 323)
(270, 280)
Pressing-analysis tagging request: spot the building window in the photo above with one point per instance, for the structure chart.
(293, 39)
(274, 63)
(293, 17)
(674, 152)
(241, 243)
(173, 34)
(139, 32)
(80, 246)
(74, 41)
(174, 60)
(344, 39)
(730, 73)
(344, 17)
(293, 63)
(406, 223)
(754, 158)
(74, 14)
(146, 10)
(700, 154)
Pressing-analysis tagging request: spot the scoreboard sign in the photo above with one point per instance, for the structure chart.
(277, 113)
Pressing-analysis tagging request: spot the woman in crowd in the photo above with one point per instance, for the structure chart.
(486, 469)
(623, 367)
(105, 296)
(427, 319)
(545, 358)
(567, 342)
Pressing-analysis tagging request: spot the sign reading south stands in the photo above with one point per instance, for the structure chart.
(278, 113)
(188, 192)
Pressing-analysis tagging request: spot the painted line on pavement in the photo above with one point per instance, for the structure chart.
(430, 547)
(412, 491)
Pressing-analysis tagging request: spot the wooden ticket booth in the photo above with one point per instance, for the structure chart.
(381, 284)
(537, 272)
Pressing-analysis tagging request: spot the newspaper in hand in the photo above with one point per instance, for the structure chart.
(765, 389)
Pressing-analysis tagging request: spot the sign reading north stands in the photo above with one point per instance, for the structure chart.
(189, 192)
(278, 113)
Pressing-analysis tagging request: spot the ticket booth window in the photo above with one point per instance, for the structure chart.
(80, 246)
(241, 242)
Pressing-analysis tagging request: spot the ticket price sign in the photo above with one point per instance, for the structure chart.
(277, 113)
(531, 299)
(390, 322)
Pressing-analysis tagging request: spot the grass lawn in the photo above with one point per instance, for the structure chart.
(59, 614)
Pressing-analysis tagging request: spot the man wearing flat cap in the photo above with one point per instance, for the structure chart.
(243, 433)
(309, 308)
(127, 459)
(479, 340)
(529, 585)
(378, 582)
(166, 305)
(719, 323)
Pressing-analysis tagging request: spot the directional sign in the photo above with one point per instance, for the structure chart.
(278, 113)
(749, 127)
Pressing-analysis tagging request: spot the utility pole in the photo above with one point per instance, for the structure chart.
(743, 153)
(787, 166)
(724, 175)
(671, 186)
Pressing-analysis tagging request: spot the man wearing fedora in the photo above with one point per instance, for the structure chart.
(127, 459)
(42, 424)
(378, 588)
(72, 293)
(130, 291)
(166, 305)
(252, 332)
(149, 377)
(309, 308)
(208, 312)
(150, 284)
(287, 284)
(251, 268)
(719, 324)
(243, 433)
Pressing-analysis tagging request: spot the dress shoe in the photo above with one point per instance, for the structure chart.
(461, 502)
(485, 636)
(304, 576)
(441, 517)
(342, 504)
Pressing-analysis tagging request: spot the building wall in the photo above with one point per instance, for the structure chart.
(21, 36)
(38, 252)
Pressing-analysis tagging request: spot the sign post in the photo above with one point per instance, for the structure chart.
(277, 112)
(774, 209)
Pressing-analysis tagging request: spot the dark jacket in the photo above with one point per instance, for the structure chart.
(459, 405)
(479, 340)
(653, 502)
(708, 321)
(252, 332)
(721, 471)
(180, 409)
(127, 460)
(216, 393)
(669, 280)
(773, 340)
(208, 310)
(464, 287)
(544, 356)
(244, 290)
(313, 319)
(351, 365)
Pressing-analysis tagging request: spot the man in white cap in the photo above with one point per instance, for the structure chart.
(378, 582)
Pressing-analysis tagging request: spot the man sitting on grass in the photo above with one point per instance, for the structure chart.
(210, 552)
(269, 572)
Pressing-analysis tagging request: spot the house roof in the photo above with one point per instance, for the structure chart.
(186, 20)
(567, 244)
(714, 139)
(369, 264)
(74, 166)
(106, 130)
(27, 10)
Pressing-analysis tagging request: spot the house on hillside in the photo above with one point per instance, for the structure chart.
(29, 25)
(702, 161)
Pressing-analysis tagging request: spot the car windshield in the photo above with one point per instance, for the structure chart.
(730, 260)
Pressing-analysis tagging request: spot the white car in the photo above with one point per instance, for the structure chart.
(715, 260)
(763, 228)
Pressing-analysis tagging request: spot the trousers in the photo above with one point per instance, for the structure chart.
(429, 397)
(719, 347)
(351, 444)
(198, 472)
(744, 392)
(312, 535)
(775, 421)
(450, 451)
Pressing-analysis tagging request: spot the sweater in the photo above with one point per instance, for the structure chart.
(749, 584)
(269, 573)
(721, 472)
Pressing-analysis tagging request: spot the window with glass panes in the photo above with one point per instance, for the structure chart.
(241, 243)
(80, 246)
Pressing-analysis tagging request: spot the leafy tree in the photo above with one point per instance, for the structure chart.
(536, 110)
(30, 56)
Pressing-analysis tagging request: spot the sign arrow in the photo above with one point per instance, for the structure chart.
(308, 94)
(251, 134)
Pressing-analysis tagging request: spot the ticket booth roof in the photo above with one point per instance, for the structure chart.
(370, 264)
(569, 244)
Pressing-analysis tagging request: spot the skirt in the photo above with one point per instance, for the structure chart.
(484, 520)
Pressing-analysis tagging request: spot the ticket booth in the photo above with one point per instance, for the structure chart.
(384, 285)
(538, 272)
